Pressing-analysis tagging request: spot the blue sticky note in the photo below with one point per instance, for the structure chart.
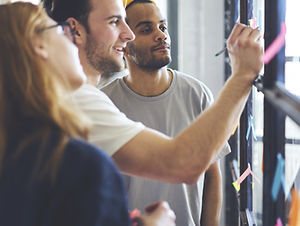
(250, 127)
(279, 177)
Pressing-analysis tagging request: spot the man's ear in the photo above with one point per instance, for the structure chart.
(79, 30)
(40, 47)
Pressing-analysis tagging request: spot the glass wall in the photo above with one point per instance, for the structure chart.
(292, 67)
(292, 130)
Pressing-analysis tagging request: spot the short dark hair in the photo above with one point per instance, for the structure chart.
(61, 10)
(138, 1)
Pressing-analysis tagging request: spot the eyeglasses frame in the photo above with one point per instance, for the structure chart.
(62, 24)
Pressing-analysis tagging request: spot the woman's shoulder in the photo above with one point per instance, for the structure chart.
(84, 161)
(85, 152)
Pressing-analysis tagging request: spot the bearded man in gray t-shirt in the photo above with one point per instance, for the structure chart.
(167, 101)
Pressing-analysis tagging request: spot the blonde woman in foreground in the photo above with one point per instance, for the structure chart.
(48, 174)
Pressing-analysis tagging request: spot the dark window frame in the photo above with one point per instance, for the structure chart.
(278, 103)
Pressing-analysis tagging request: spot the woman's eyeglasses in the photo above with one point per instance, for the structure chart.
(62, 28)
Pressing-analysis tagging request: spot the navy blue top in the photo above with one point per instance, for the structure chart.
(88, 190)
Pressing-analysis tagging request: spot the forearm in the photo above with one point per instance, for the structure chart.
(203, 140)
(184, 158)
(212, 197)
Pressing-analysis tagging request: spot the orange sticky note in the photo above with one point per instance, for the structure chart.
(294, 218)
(262, 163)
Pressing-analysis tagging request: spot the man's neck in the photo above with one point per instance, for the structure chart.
(93, 79)
(92, 75)
(147, 83)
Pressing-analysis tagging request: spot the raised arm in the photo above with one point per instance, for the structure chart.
(185, 157)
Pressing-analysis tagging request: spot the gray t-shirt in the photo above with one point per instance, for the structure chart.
(169, 113)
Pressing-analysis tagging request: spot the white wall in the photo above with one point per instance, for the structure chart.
(201, 35)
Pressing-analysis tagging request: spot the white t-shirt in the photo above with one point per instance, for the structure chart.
(111, 129)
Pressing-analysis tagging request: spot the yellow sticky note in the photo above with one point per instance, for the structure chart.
(251, 22)
(233, 132)
(236, 185)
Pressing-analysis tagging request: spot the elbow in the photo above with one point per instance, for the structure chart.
(186, 178)
(188, 175)
(187, 168)
(191, 180)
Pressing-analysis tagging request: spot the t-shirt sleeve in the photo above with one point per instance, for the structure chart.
(208, 97)
(111, 129)
(225, 151)
(207, 101)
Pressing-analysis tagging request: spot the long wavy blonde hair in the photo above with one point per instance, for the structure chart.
(31, 92)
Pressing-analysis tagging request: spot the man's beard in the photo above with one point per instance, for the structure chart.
(99, 62)
(151, 64)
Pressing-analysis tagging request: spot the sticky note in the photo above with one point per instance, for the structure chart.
(248, 130)
(252, 23)
(278, 222)
(233, 132)
(237, 186)
(255, 177)
(244, 175)
(250, 127)
(275, 46)
(294, 217)
(262, 163)
(278, 177)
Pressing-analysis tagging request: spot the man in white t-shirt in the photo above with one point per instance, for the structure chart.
(101, 35)
(168, 101)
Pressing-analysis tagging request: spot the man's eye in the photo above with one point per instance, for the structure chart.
(146, 30)
(116, 21)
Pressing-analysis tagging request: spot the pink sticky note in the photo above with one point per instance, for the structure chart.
(279, 222)
(276, 45)
(254, 26)
(244, 175)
